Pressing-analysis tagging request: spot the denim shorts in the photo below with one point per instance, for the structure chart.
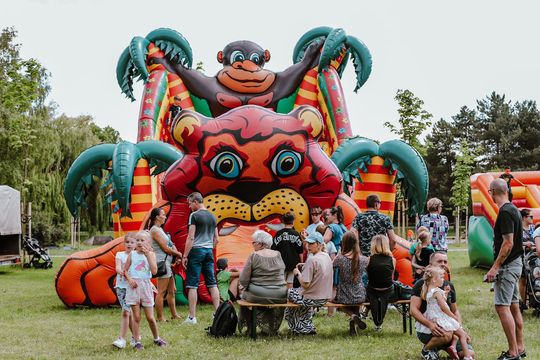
(505, 288)
(200, 260)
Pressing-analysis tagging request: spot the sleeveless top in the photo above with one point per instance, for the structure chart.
(139, 269)
(380, 270)
(160, 254)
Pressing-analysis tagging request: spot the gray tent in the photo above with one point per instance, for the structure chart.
(10, 225)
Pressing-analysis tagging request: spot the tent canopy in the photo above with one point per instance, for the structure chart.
(10, 211)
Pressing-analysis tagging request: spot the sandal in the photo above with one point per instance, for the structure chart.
(452, 351)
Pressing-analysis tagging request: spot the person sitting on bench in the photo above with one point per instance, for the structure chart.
(315, 287)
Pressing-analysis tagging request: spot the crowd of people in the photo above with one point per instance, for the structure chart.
(327, 262)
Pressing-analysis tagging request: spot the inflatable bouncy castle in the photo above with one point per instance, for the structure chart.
(254, 142)
(525, 194)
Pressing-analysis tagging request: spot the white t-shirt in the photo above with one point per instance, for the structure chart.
(121, 281)
(536, 233)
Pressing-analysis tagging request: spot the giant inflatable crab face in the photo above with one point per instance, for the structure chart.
(251, 164)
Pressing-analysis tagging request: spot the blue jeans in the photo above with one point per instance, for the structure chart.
(200, 260)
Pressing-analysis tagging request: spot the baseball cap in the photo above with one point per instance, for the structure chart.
(315, 237)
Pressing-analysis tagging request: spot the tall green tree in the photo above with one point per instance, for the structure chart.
(413, 119)
(38, 148)
(461, 187)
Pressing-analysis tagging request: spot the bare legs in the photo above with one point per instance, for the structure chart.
(166, 288)
(512, 324)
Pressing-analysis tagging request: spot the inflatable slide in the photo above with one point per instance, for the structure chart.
(525, 195)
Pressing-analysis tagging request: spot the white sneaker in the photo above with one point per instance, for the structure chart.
(190, 321)
(119, 343)
(378, 328)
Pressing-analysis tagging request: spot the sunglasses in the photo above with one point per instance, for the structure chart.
(316, 213)
(530, 216)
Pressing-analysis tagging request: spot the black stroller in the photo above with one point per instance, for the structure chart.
(39, 257)
(532, 284)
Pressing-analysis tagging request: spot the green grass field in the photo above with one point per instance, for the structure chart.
(34, 324)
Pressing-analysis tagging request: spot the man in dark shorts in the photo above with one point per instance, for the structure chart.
(506, 269)
(428, 332)
(198, 254)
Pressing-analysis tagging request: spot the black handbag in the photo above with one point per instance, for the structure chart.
(161, 268)
(402, 291)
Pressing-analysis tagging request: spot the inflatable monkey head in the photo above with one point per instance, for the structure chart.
(243, 68)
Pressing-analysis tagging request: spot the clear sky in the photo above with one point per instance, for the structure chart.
(448, 53)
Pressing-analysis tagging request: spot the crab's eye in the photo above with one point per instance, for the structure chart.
(286, 162)
(237, 55)
(227, 165)
(256, 58)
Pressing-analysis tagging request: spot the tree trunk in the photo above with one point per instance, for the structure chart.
(467, 223)
(458, 240)
(399, 216)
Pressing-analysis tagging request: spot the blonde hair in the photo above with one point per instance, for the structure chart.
(380, 245)
(424, 239)
(433, 204)
(145, 235)
(420, 229)
(429, 274)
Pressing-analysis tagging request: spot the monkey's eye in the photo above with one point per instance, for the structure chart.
(227, 165)
(256, 58)
(237, 55)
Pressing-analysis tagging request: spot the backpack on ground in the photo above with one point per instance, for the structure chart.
(225, 321)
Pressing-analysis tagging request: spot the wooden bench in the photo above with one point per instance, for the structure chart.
(403, 306)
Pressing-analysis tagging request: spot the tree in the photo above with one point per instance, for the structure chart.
(413, 120)
(461, 187)
(440, 159)
(38, 148)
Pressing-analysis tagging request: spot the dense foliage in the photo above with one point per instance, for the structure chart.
(38, 146)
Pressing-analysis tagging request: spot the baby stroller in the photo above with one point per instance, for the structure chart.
(39, 257)
(532, 284)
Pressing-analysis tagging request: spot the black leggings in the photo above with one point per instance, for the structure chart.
(378, 301)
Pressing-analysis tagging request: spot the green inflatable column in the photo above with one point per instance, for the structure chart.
(180, 296)
(480, 242)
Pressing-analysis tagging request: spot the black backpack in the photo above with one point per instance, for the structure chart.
(225, 321)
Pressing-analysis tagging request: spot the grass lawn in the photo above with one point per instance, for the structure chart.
(34, 324)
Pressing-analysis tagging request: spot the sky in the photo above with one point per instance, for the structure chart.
(449, 54)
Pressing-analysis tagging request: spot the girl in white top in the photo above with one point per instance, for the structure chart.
(140, 265)
(437, 310)
(121, 288)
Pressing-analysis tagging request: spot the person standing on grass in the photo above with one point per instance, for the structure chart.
(140, 265)
(506, 269)
(436, 223)
(165, 251)
(121, 287)
(429, 332)
(528, 243)
(370, 223)
(289, 244)
(198, 254)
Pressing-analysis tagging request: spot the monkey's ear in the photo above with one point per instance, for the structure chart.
(220, 57)
(266, 55)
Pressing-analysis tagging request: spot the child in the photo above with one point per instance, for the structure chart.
(121, 288)
(289, 244)
(421, 251)
(140, 265)
(438, 310)
(227, 280)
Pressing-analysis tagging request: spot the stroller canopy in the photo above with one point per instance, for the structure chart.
(10, 211)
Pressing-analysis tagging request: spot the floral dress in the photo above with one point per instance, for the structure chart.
(348, 290)
(434, 312)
